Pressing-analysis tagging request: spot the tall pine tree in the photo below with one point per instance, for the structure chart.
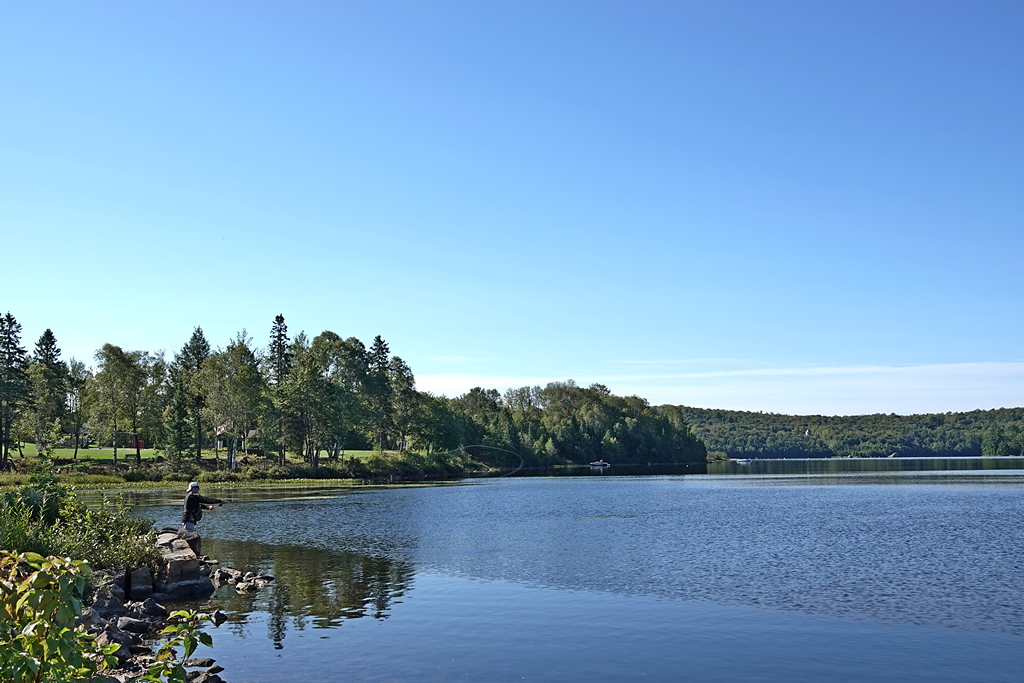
(14, 384)
(279, 360)
(188, 362)
(379, 391)
(48, 377)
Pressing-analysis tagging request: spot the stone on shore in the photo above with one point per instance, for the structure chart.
(107, 606)
(180, 575)
(147, 608)
(140, 626)
(203, 677)
(200, 663)
(141, 584)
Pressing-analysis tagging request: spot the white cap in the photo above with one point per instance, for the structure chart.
(193, 485)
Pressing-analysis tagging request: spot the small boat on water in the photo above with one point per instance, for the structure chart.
(600, 463)
(745, 461)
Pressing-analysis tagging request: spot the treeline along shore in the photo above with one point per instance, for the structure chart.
(301, 406)
(306, 402)
(743, 434)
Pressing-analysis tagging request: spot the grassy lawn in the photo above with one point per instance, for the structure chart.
(105, 456)
(92, 468)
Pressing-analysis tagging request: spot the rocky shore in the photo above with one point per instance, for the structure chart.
(129, 607)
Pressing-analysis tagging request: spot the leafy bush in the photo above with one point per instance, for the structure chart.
(219, 476)
(109, 536)
(183, 631)
(44, 518)
(39, 600)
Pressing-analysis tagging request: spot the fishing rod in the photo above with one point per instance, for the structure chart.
(522, 463)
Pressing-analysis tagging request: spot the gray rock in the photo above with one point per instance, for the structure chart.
(200, 662)
(166, 538)
(133, 625)
(108, 606)
(141, 584)
(215, 669)
(89, 618)
(194, 541)
(113, 635)
(202, 677)
(146, 608)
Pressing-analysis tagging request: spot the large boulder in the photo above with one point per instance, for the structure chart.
(179, 575)
(140, 626)
(147, 608)
(141, 584)
(107, 606)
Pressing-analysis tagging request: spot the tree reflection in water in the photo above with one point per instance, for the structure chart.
(312, 588)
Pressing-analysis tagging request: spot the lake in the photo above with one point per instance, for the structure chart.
(887, 576)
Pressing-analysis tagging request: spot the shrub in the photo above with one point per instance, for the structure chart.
(255, 473)
(39, 600)
(219, 475)
(44, 518)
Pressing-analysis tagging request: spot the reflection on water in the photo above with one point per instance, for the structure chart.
(847, 465)
(312, 589)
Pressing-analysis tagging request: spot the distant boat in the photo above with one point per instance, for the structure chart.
(745, 461)
(600, 463)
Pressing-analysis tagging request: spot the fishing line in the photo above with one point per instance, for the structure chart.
(522, 463)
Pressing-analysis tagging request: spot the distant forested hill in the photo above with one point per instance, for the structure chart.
(768, 435)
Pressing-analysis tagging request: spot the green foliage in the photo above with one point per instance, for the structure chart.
(44, 517)
(768, 435)
(39, 600)
(14, 382)
(559, 423)
(181, 631)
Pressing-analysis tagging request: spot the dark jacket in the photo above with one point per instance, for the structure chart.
(193, 511)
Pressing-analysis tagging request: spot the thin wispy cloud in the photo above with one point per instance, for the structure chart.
(680, 361)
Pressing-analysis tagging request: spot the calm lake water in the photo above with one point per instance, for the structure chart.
(914, 576)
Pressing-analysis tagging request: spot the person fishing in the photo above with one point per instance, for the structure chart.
(194, 506)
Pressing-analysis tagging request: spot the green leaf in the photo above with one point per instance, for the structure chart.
(34, 560)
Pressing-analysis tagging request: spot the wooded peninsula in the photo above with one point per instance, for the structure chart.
(310, 400)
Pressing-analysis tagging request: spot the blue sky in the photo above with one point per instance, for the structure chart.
(790, 207)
